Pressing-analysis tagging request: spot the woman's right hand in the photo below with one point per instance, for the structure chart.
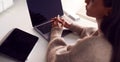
(64, 23)
(57, 20)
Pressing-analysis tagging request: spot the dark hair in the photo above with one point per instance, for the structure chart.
(110, 26)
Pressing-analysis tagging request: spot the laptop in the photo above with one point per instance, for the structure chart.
(41, 12)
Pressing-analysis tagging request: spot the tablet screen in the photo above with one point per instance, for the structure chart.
(18, 44)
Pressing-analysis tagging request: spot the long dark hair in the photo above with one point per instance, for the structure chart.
(110, 26)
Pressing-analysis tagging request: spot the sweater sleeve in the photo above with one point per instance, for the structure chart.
(57, 51)
(82, 31)
(85, 50)
(56, 44)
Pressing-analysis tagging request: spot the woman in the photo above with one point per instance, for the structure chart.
(102, 45)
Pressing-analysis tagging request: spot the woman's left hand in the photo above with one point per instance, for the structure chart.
(56, 22)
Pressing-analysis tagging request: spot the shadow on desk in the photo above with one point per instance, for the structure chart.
(71, 38)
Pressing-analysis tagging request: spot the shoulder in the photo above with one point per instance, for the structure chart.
(102, 49)
(96, 42)
(96, 49)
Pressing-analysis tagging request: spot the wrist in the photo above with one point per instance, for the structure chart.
(56, 32)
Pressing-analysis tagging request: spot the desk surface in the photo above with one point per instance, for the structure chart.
(18, 17)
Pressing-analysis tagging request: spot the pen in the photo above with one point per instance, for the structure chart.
(58, 17)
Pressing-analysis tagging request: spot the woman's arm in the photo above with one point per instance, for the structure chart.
(58, 51)
(85, 50)
(55, 48)
(82, 31)
(56, 44)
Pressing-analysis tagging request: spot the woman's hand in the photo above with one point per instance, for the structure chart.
(59, 22)
(56, 22)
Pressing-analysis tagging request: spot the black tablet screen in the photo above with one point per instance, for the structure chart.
(18, 44)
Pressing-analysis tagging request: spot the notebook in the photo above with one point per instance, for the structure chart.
(41, 12)
(18, 45)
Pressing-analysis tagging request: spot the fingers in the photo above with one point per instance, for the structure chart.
(62, 22)
(54, 23)
(57, 21)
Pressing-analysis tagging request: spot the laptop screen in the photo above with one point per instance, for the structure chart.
(43, 10)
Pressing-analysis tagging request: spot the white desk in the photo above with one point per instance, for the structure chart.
(18, 17)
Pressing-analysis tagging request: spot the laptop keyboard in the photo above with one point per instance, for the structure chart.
(45, 28)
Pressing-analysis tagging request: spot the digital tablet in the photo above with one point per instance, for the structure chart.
(18, 45)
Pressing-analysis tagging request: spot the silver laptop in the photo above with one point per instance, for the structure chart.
(41, 11)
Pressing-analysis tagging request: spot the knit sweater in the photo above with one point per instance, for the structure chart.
(91, 48)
